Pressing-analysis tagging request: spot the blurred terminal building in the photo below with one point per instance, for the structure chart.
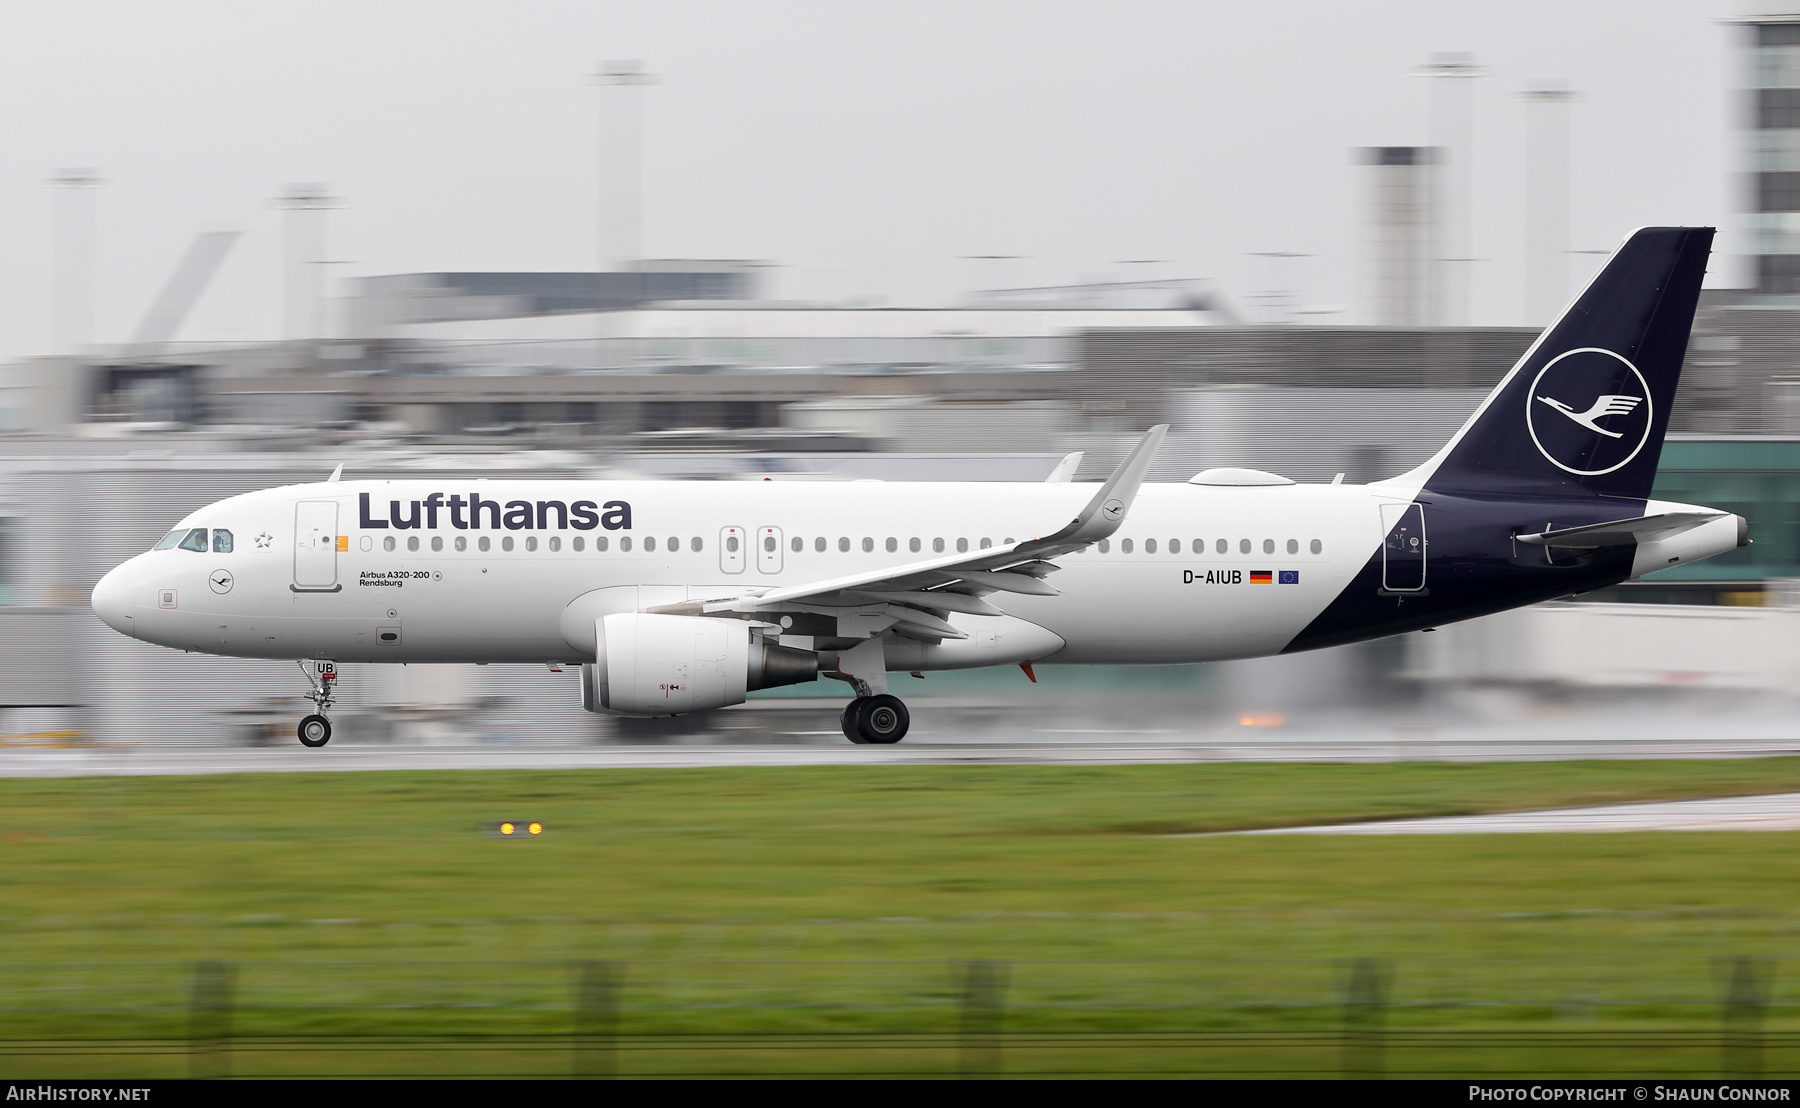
(684, 368)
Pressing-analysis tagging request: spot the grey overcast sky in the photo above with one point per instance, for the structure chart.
(864, 147)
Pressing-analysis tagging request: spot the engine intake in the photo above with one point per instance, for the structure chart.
(662, 665)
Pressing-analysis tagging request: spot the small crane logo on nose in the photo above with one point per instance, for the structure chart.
(220, 581)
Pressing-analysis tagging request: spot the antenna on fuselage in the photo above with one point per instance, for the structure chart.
(335, 474)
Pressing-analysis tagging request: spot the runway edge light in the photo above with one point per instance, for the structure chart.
(512, 829)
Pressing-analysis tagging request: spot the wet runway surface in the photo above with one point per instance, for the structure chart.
(1776, 812)
(1352, 741)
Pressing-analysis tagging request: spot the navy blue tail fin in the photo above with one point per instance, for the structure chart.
(1584, 411)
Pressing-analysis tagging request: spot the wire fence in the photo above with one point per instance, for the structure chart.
(1364, 1017)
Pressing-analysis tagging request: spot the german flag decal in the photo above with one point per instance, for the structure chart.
(1261, 577)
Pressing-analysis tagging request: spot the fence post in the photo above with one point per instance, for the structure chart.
(209, 1019)
(597, 987)
(1365, 1018)
(983, 1004)
(1746, 999)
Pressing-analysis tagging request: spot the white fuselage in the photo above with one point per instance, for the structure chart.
(1179, 582)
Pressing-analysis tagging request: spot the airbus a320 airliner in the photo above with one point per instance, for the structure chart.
(681, 597)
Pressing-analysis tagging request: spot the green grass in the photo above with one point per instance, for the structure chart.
(842, 901)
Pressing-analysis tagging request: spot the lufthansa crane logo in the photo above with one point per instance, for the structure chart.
(1589, 411)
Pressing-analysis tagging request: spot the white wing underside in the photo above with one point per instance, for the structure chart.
(913, 599)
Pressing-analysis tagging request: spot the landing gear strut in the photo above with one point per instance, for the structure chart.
(880, 720)
(315, 730)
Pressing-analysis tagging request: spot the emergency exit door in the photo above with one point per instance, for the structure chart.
(315, 546)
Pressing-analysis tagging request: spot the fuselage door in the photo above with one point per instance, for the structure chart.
(768, 549)
(732, 542)
(1403, 551)
(315, 544)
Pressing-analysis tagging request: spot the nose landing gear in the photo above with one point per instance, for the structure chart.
(879, 720)
(315, 730)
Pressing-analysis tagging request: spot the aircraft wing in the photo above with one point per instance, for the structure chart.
(912, 598)
(1619, 532)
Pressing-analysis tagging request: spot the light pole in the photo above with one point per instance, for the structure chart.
(1546, 199)
(1453, 182)
(73, 265)
(621, 161)
(303, 261)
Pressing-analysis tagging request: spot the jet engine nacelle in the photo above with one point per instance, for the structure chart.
(657, 665)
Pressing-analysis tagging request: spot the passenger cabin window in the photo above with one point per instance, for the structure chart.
(1222, 546)
(796, 544)
(1149, 546)
(1317, 546)
(819, 544)
(1125, 546)
(221, 541)
(1293, 546)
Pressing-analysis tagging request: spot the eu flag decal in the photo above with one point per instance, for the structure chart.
(1290, 577)
(1260, 577)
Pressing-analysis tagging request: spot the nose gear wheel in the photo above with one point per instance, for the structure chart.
(315, 731)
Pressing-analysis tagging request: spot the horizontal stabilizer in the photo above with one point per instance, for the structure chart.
(1621, 532)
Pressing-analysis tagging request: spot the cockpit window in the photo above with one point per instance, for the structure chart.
(195, 540)
(169, 540)
(221, 541)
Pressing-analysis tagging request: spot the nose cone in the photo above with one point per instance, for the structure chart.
(112, 601)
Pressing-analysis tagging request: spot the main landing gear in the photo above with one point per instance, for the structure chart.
(315, 730)
(879, 720)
